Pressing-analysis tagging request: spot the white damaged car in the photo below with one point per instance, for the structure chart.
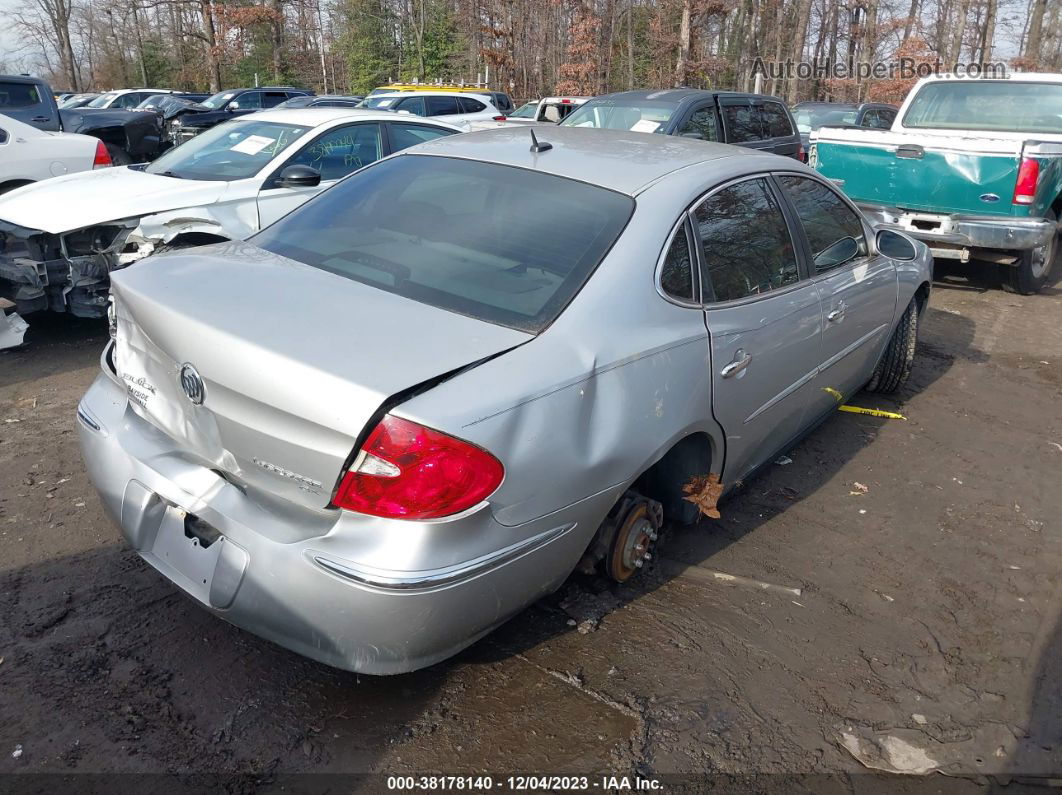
(59, 240)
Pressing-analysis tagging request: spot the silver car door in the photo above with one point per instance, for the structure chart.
(763, 319)
(857, 287)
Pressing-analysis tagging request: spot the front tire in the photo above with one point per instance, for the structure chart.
(1029, 275)
(895, 365)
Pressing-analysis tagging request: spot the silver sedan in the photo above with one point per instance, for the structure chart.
(396, 417)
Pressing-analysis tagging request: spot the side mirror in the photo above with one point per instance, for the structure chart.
(233, 106)
(895, 246)
(299, 177)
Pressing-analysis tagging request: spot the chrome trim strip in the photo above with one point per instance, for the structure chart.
(849, 349)
(789, 390)
(437, 578)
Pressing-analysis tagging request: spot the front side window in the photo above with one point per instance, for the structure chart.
(129, 100)
(676, 275)
(18, 95)
(776, 121)
(219, 100)
(342, 151)
(743, 123)
(701, 125)
(747, 246)
(834, 231)
(637, 115)
(414, 105)
(234, 150)
(506, 245)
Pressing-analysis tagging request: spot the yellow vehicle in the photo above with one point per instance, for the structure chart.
(501, 100)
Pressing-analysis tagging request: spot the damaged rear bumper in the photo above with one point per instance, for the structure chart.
(356, 592)
(60, 272)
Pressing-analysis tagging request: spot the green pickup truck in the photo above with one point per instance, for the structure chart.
(973, 167)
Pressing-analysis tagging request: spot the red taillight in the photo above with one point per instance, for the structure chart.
(102, 159)
(1028, 176)
(499, 118)
(407, 471)
(801, 155)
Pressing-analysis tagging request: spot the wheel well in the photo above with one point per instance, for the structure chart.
(15, 183)
(189, 239)
(663, 481)
(922, 296)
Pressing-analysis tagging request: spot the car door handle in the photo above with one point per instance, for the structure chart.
(737, 365)
(41, 118)
(837, 315)
(911, 151)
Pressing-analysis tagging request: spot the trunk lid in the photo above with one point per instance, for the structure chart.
(294, 361)
(949, 173)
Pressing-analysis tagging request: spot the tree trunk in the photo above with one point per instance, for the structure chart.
(803, 15)
(210, 35)
(959, 28)
(989, 32)
(630, 45)
(682, 64)
(909, 25)
(1036, 25)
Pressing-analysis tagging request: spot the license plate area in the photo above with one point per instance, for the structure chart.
(198, 558)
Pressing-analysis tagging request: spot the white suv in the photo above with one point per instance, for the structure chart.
(449, 106)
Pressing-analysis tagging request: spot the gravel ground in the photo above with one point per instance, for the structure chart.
(912, 619)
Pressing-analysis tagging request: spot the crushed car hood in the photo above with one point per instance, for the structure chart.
(75, 201)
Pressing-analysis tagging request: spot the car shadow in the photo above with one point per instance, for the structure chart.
(823, 454)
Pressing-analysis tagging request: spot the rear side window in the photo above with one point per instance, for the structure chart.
(743, 123)
(273, 98)
(404, 136)
(676, 275)
(701, 125)
(506, 245)
(18, 95)
(443, 106)
(834, 231)
(469, 105)
(747, 246)
(776, 121)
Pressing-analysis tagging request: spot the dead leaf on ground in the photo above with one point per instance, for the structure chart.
(704, 492)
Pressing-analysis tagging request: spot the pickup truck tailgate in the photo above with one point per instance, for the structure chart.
(934, 173)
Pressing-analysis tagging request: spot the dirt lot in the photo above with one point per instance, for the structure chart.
(926, 633)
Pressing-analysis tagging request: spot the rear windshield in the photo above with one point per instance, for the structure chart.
(502, 244)
(640, 115)
(1003, 105)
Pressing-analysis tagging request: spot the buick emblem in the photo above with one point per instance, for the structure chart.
(192, 384)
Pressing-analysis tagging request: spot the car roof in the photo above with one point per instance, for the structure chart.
(678, 95)
(316, 117)
(620, 160)
(484, 95)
